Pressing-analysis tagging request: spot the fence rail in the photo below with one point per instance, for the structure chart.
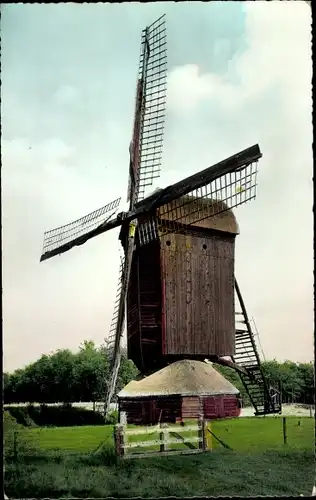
(168, 441)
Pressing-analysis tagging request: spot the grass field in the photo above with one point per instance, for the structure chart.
(80, 462)
(247, 434)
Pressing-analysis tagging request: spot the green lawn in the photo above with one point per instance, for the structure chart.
(69, 462)
(243, 434)
(81, 439)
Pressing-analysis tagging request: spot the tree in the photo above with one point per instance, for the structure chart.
(91, 371)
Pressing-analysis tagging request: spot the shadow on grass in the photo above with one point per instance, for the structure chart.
(222, 472)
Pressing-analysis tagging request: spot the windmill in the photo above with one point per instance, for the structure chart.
(151, 232)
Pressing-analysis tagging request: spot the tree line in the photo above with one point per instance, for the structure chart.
(66, 377)
(294, 380)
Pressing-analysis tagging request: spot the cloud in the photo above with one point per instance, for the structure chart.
(66, 94)
(268, 63)
(187, 87)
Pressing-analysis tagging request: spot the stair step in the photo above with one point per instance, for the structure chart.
(255, 390)
(240, 352)
(246, 365)
(244, 350)
(245, 359)
(255, 374)
(247, 356)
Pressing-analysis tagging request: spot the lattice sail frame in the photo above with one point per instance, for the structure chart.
(65, 234)
(228, 191)
(147, 143)
(115, 316)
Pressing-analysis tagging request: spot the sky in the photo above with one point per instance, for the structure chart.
(239, 73)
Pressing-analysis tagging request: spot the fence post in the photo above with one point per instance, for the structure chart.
(201, 433)
(119, 440)
(284, 431)
(207, 435)
(163, 437)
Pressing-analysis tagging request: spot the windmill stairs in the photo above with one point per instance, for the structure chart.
(264, 399)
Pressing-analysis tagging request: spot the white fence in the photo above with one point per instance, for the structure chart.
(161, 440)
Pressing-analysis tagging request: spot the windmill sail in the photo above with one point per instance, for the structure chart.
(147, 142)
(230, 186)
(116, 312)
(145, 156)
(113, 340)
(118, 325)
(243, 184)
(63, 238)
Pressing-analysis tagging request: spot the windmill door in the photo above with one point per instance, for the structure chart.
(152, 412)
(219, 407)
(213, 407)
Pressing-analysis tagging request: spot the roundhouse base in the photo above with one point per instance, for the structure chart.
(172, 409)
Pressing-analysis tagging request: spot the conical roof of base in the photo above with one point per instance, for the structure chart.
(185, 378)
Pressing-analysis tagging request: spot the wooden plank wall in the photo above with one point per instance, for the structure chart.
(220, 406)
(150, 410)
(198, 281)
(191, 407)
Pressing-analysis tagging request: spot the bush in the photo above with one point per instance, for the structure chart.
(16, 444)
(54, 416)
(111, 418)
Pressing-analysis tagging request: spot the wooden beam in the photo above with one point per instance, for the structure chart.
(162, 453)
(230, 364)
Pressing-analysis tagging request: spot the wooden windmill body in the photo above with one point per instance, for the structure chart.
(180, 301)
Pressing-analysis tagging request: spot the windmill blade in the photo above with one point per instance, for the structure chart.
(145, 157)
(115, 334)
(118, 323)
(64, 238)
(111, 339)
(201, 196)
(147, 142)
(147, 208)
(222, 194)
